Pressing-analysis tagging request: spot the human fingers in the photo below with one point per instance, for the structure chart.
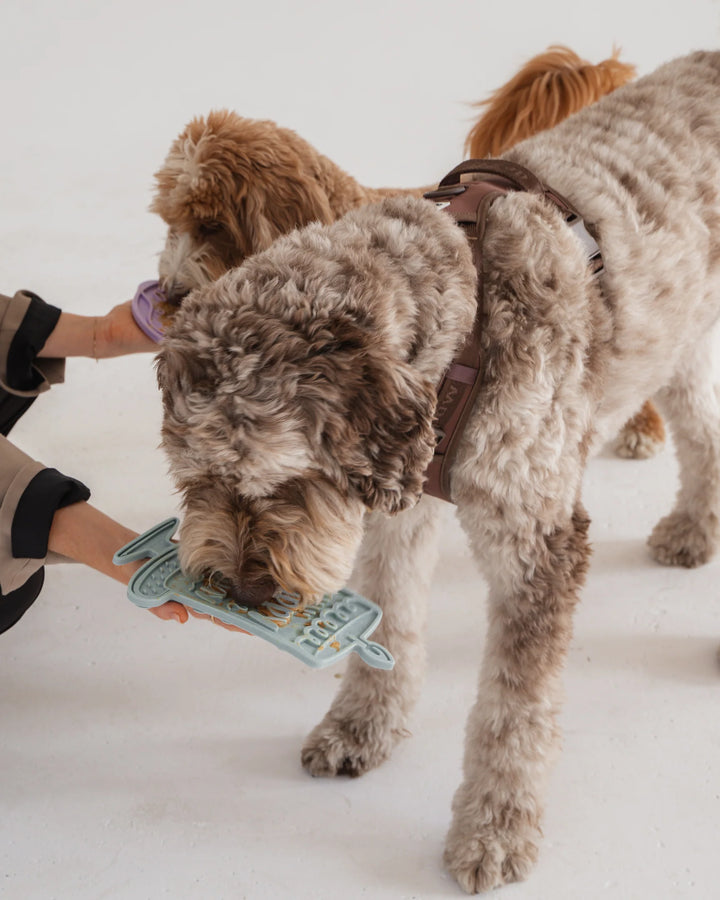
(215, 621)
(171, 610)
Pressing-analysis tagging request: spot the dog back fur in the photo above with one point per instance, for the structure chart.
(642, 166)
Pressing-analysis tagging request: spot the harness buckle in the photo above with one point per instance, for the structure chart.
(592, 250)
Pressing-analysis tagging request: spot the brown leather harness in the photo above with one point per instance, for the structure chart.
(468, 202)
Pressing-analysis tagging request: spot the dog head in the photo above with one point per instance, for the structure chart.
(299, 392)
(293, 404)
(230, 186)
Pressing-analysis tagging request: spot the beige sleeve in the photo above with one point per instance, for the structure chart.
(12, 312)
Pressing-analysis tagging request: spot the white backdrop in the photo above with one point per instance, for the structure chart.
(138, 759)
(93, 92)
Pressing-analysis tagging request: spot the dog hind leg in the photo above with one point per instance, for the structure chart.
(370, 712)
(689, 536)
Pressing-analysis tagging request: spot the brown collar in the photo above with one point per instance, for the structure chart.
(468, 203)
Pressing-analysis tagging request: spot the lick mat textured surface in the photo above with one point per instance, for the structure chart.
(318, 635)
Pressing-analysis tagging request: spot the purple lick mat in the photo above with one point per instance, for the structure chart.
(147, 309)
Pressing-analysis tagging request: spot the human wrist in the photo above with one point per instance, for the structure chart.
(72, 336)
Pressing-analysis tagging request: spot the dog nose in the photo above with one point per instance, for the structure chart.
(255, 593)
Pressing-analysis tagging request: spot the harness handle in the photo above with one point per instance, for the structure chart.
(520, 176)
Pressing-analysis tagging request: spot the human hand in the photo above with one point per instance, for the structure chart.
(174, 610)
(215, 621)
(118, 334)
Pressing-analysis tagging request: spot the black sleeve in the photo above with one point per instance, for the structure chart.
(48, 491)
(14, 605)
(12, 408)
(36, 327)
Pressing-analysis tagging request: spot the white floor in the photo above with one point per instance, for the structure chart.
(140, 759)
(144, 759)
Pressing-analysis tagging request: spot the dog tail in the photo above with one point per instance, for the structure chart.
(549, 87)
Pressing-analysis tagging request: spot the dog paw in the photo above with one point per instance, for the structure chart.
(679, 540)
(642, 436)
(633, 444)
(347, 747)
(482, 858)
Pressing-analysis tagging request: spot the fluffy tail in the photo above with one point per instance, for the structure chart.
(548, 88)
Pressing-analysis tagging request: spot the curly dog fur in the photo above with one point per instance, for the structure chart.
(230, 186)
(548, 88)
(299, 393)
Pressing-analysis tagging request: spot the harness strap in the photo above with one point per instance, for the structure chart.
(469, 202)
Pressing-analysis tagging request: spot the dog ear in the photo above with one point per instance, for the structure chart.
(196, 185)
(283, 200)
(386, 440)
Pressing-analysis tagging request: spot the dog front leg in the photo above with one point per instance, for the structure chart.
(370, 712)
(512, 733)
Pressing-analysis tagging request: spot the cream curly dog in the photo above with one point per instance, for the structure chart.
(299, 392)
